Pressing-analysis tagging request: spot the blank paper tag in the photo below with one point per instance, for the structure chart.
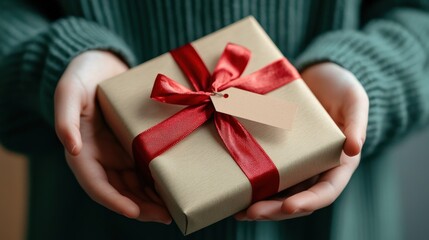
(255, 107)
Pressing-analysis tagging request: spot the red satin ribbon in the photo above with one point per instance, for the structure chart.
(246, 152)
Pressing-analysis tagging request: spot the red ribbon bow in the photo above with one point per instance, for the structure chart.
(246, 152)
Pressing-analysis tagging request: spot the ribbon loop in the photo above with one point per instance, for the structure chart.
(268, 78)
(167, 90)
(230, 66)
(192, 66)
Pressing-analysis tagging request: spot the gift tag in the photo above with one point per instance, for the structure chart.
(255, 107)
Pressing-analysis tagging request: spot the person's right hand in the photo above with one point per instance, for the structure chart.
(99, 163)
(346, 101)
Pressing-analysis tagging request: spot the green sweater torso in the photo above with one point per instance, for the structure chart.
(384, 43)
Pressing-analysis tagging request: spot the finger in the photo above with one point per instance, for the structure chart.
(93, 179)
(108, 150)
(296, 188)
(130, 179)
(270, 210)
(324, 192)
(149, 211)
(146, 193)
(68, 105)
(261, 210)
(355, 114)
(106, 147)
(153, 196)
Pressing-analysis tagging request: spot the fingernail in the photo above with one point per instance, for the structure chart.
(162, 221)
(73, 149)
(167, 222)
(127, 215)
(299, 214)
(261, 219)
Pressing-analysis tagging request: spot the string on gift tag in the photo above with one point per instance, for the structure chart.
(218, 94)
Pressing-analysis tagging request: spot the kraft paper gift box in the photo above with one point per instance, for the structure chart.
(197, 178)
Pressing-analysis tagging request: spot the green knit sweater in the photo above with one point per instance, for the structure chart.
(384, 43)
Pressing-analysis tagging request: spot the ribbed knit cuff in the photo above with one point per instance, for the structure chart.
(349, 50)
(357, 53)
(68, 38)
(346, 49)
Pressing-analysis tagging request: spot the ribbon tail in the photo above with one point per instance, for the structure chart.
(249, 155)
(161, 137)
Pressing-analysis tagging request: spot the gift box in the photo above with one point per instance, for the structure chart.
(196, 171)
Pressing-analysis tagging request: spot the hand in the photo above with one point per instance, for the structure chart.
(100, 165)
(347, 103)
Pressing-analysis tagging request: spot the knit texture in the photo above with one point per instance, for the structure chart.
(390, 58)
(33, 58)
(384, 43)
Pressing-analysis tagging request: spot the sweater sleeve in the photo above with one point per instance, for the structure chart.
(390, 57)
(34, 52)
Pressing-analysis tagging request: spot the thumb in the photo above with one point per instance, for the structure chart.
(68, 106)
(355, 123)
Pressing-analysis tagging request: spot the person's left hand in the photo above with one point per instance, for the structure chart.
(347, 103)
(101, 166)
